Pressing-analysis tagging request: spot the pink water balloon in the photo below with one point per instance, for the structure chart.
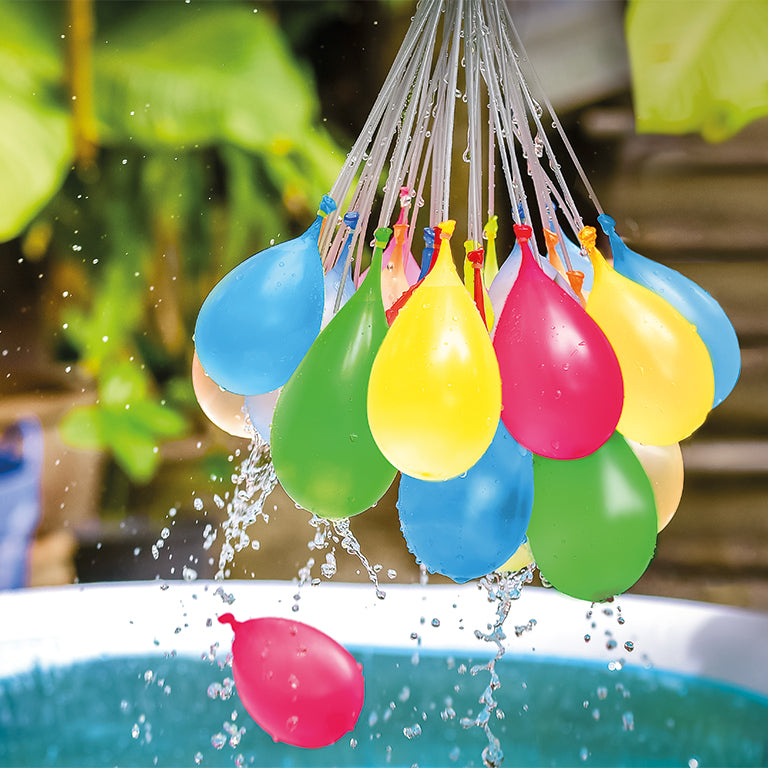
(562, 391)
(298, 684)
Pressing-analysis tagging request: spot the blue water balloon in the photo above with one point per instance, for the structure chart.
(468, 526)
(340, 273)
(690, 300)
(260, 319)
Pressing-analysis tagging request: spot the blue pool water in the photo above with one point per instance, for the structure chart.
(154, 710)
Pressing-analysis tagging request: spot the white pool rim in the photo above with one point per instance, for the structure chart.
(58, 626)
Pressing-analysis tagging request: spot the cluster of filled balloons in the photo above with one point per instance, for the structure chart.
(524, 405)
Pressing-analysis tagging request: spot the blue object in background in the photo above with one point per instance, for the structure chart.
(21, 460)
(470, 525)
(690, 300)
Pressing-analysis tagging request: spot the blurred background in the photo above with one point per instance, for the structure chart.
(146, 148)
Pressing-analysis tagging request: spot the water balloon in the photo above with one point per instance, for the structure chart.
(261, 408)
(222, 408)
(561, 382)
(690, 300)
(339, 274)
(507, 275)
(467, 527)
(522, 558)
(593, 526)
(260, 319)
(668, 379)
(297, 683)
(324, 454)
(664, 466)
(434, 395)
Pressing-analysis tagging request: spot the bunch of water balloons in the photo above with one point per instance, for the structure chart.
(539, 418)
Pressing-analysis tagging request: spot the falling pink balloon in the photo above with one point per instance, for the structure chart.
(562, 391)
(298, 684)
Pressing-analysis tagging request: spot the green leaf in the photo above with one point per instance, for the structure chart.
(135, 449)
(698, 67)
(83, 427)
(176, 73)
(36, 146)
(157, 419)
(122, 384)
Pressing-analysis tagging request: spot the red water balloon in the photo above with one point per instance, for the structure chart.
(298, 684)
(562, 390)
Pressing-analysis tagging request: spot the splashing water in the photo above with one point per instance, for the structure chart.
(328, 533)
(254, 482)
(503, 589)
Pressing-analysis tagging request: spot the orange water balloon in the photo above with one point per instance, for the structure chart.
(223, 408)
(434, 395)
(668, 378)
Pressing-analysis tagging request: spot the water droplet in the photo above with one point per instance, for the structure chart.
(629, 646)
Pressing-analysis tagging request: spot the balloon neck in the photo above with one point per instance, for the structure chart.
(523, 233)
(491, 228)
(618, 249)
(327, 205)
(350, 219)
(228, 618)
(381, 237)
(429, 237)
(588, 239)
(445, 229)
(469, 246)
(607, 223)
(576, 279)
(552, 240)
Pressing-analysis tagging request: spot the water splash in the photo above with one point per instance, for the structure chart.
(503, 589)
(327, 534)
(254, 482)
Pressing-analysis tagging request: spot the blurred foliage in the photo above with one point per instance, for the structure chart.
(208, 143)
(698, 67)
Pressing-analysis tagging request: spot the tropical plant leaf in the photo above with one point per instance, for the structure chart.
(698, 67)
(83, 427)
(177, 73)
(36, 146)
(135, 449)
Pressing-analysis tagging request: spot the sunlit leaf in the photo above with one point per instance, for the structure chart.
(698, 67)
(135, 449)
(179, 73)
(83, 427)
(35, 139)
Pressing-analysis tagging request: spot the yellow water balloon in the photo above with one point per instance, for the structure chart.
(668, 379)
(434, 395)
(522, 558)
(664, 466)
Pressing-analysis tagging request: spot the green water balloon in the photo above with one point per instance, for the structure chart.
(593, 525)
(324, 454)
